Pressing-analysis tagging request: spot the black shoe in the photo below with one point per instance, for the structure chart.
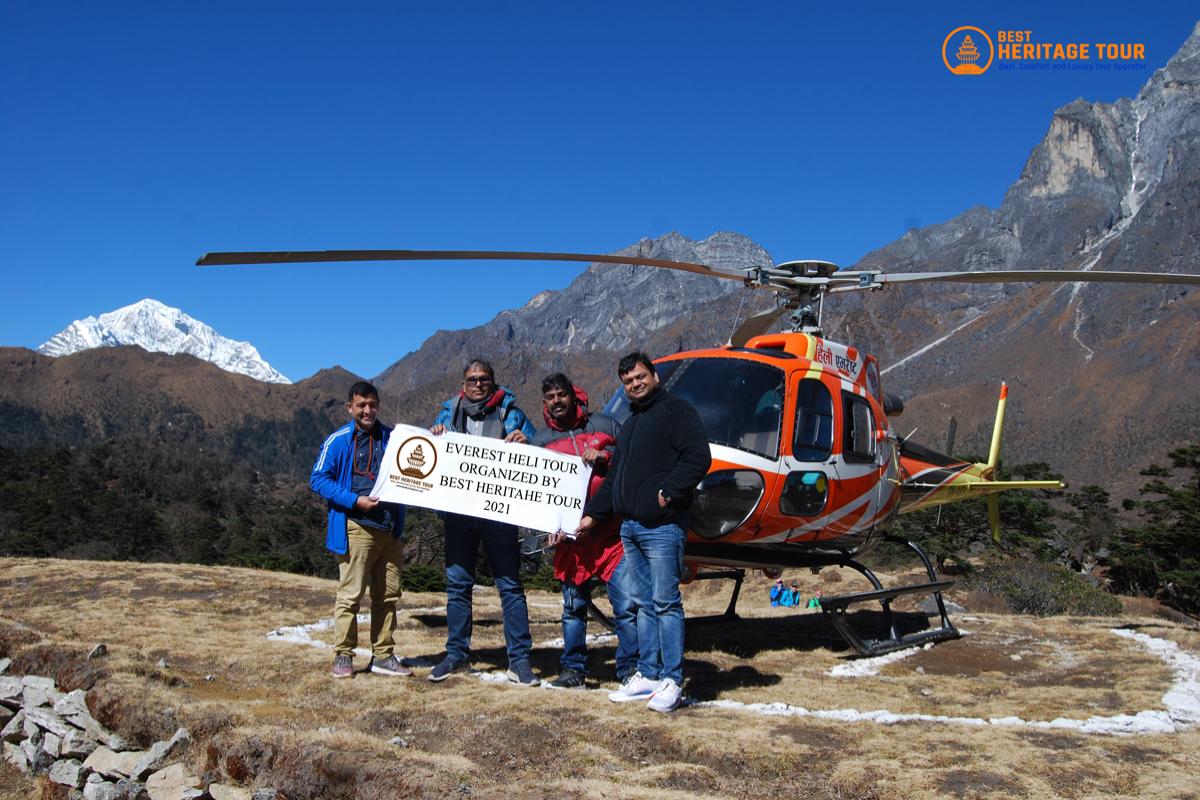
(569, 679)
(443, 669)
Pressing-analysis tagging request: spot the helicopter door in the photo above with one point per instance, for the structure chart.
(808, 471)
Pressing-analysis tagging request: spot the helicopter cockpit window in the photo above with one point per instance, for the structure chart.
(617, 406)
(858, 431)
(814, 421)
(739, 401)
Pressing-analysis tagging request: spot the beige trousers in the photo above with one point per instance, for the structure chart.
(372, 563)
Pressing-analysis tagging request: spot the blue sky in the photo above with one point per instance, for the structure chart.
(136, 136)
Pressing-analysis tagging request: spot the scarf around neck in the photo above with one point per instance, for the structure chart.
(581, 412)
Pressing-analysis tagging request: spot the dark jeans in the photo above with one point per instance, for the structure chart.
(574, 624)
(654, 559)
(463, 537)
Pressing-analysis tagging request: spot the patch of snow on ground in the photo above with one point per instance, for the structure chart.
(864, 667)
(1182, 701)
(592, 639)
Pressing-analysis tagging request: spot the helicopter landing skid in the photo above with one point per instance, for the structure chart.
(835, 609)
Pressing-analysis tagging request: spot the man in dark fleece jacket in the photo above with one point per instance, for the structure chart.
(662, 454)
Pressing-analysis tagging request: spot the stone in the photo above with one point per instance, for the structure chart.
(14, 755)
(97, 788)
(99, 651)
(38, 681)
(68, 772)
(132, 790)
(34, 696)
(32, 748)
(114, 765)
(156, 757)
(52, 746)
(173, 783)
(5, 663)
(73, 703)
(266, 794)
(94, 729)
(47, 720)
(77, 744)
(6, 714)
(10, 690)
(14, 731)
(161, 663)
(929, 607)
(221, 791)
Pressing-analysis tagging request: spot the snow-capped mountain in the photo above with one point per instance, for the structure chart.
(161, 329)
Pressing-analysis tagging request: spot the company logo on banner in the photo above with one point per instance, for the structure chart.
(488, 478)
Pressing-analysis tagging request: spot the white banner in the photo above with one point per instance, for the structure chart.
(480, 477)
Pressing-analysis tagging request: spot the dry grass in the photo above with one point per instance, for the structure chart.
(271, 716)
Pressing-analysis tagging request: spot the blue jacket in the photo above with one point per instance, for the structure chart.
(514, 418)
(330, 478)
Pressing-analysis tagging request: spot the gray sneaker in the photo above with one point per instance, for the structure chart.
(343, 666)
(390, 666)
(522, 673)
(446, 666)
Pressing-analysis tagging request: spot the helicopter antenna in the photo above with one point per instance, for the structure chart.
(741, 306)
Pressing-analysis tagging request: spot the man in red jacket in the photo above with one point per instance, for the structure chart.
(571, 428)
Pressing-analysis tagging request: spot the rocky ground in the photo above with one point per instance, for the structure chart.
(1059, 707)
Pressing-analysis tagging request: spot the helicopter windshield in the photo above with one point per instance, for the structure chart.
(739, 401)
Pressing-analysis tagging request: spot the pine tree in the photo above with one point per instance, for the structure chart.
(1161, 557)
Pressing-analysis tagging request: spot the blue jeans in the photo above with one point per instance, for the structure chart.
(655, 563)
(463, 537)
(574, 624)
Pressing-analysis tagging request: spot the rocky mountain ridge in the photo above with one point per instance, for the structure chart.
(160, 328)
(1112, 186)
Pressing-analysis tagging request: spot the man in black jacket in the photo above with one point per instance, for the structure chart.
(662, 454)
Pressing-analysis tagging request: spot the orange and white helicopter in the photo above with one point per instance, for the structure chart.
(807, 470)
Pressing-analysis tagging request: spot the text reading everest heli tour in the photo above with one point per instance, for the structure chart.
(518, 483)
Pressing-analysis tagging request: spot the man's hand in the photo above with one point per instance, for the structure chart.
(663, 501)
(517, 436)
(366, 503)
(585, 525)
(553, 539)
(592, 455)
(438, 430)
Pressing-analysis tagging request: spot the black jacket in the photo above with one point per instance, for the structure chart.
(661, 447)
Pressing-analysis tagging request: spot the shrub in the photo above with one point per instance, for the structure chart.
(422, 578)
(1032, 587)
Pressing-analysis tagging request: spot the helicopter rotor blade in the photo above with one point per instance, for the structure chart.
(1038, 276)
(321, 256)
(754, 325)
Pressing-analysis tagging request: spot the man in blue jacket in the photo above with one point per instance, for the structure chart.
(363, 533)
(483, 408)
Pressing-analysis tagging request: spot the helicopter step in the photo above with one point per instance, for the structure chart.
(835, 609)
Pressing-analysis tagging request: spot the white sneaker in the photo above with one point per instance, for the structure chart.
(666, 697)
(634, 688)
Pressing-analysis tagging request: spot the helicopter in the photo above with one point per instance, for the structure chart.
(807, 469)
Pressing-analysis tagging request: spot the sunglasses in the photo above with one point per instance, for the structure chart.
(477, 379)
